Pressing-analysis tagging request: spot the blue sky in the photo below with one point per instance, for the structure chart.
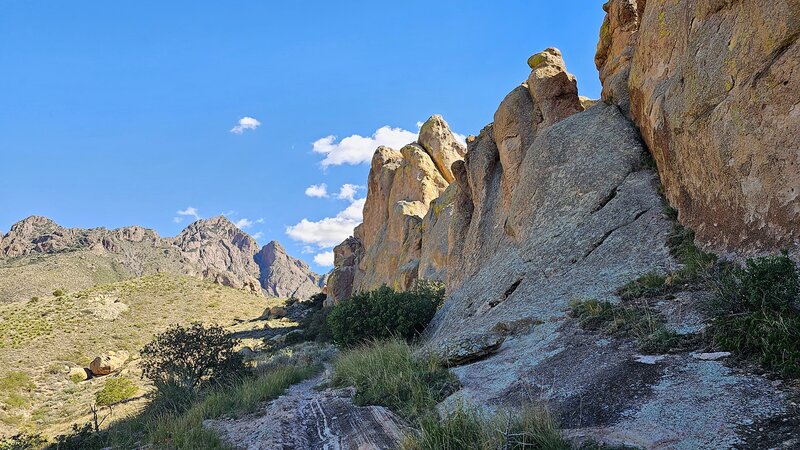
(120, 113)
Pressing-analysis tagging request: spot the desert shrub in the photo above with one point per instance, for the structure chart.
(315, 326)
(16, 381)
(467, 427)
(638, 321)
(388, 373)
(648, 285)
(81, 438)
(59, 293)
(756, 313)
(191, 358)
(384, 313)
(115, 390)
(23, 441)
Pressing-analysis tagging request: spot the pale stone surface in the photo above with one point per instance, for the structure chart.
(715, 92)
(108, 362)
(306, 419)
(438, 141)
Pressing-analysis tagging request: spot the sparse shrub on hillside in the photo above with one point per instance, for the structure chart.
(388, 373)
(59, 293)
(191, 358)
(468, 427)
(696, 266)
(638, 321)
(23, 441)
(385, 313)
(757, 313)
(115, 390)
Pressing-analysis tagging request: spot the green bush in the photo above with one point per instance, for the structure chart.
(191, 358)
(757, 315)
(468, 428)
(385, 313)
(315, 326)
(115, 390)
(388, 373)
(23, 441)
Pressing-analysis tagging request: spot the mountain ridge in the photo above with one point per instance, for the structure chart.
(212, 249)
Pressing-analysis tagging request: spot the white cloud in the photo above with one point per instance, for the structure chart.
(324, 259)
(244, 223)
(189, 211)
(258, 235)
(329, 231)
(245, 123)
(348, 192)
(358, 149)
(317, 190)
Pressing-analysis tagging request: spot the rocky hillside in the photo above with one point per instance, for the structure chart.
(555, 203)
(38, 256)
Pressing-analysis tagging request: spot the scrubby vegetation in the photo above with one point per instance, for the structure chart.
(23, 441)
(215, 385)
(385, 313)
(638, 321)
(116, 390)
(388, 373)
(191, 358)
(469, 428)
(697, 266)
(756, 313)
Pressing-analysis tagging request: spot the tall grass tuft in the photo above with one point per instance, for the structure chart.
(469, 428)
(388, 373)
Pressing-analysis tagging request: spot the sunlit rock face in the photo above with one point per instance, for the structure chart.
(713, 88)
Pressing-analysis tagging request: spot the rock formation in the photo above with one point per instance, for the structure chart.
(554, 203)
(713, 87)
(387, 246)
(214, 249)
(284, 276)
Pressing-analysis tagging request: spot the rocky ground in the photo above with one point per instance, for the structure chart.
(307, 417)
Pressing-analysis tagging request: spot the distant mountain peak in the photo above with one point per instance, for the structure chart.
(213, 248)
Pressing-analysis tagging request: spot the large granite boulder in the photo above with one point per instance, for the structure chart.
(713, 87)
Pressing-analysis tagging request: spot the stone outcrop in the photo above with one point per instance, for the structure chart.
(108, 362)
(284, 276)
(713, 87)
(305, 418)
(554, 203)
(387, 247)
(214, 249)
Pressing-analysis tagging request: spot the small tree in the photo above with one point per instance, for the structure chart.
(191, 358)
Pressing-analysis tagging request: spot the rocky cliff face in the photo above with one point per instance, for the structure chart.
(554, 203)
(214, 249)
(387, 246)
(713, 88)
(284, 276)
